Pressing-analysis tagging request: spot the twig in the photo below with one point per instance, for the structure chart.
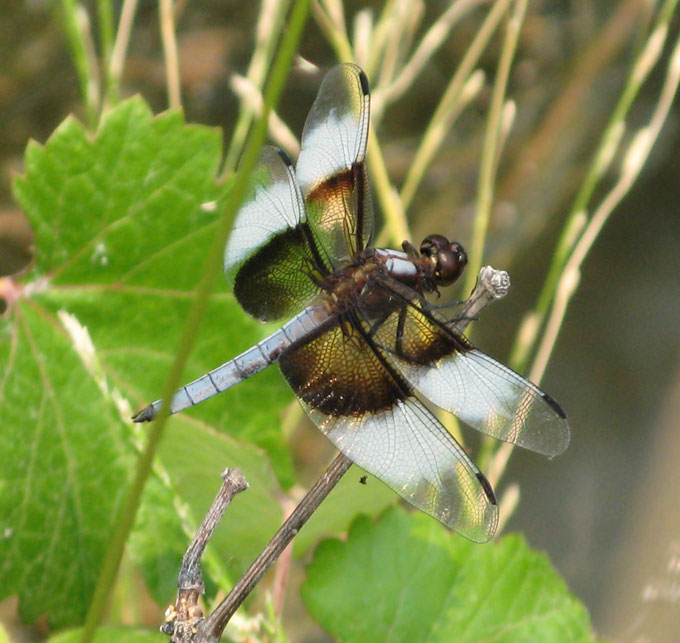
(282, 570)
(210, 630)
(491, 284)
(182, 617)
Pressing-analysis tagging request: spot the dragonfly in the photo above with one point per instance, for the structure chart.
(364, 346)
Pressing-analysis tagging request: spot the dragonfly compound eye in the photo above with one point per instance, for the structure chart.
(450, 258)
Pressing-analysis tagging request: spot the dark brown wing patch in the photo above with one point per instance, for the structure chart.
(339, 374)
(415, 336)
(366, 409)
(274, 282)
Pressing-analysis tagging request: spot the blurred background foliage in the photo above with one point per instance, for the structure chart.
(606, 511)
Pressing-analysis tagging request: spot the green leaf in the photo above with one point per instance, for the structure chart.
(121, 231)
(348, 499)
(406, 578)
(64, 467)
(113, 635)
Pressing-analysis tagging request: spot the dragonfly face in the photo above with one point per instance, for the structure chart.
(448, 259)
(368, 343)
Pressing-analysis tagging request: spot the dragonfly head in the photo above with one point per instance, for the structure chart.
(448, 258)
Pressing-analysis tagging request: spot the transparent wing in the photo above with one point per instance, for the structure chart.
(368, 412)
(331, 168)
(490, 397)
(268, 258)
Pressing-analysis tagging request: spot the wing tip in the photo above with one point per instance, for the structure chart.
(566, 438)
(554, 405)
(284, 157)
(363, 80)
(564, 424)
(490, 521)
(487, 488)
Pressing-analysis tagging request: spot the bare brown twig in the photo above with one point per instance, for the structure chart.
(182, 617)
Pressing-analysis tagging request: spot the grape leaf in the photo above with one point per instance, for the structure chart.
(57, 500)
(121, 230)
(406, 578)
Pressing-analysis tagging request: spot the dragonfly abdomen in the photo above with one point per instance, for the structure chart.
(243, 366)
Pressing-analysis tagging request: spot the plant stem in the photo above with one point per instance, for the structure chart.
(336, 35)
(577, 217)
(82, 52)
(115, 70)
(105, 21)
(170, 53)
(441, 120)
(488, 166)
(272, 13)
(633, 161)
(579, 233)
(490, 149)
(396, 224)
